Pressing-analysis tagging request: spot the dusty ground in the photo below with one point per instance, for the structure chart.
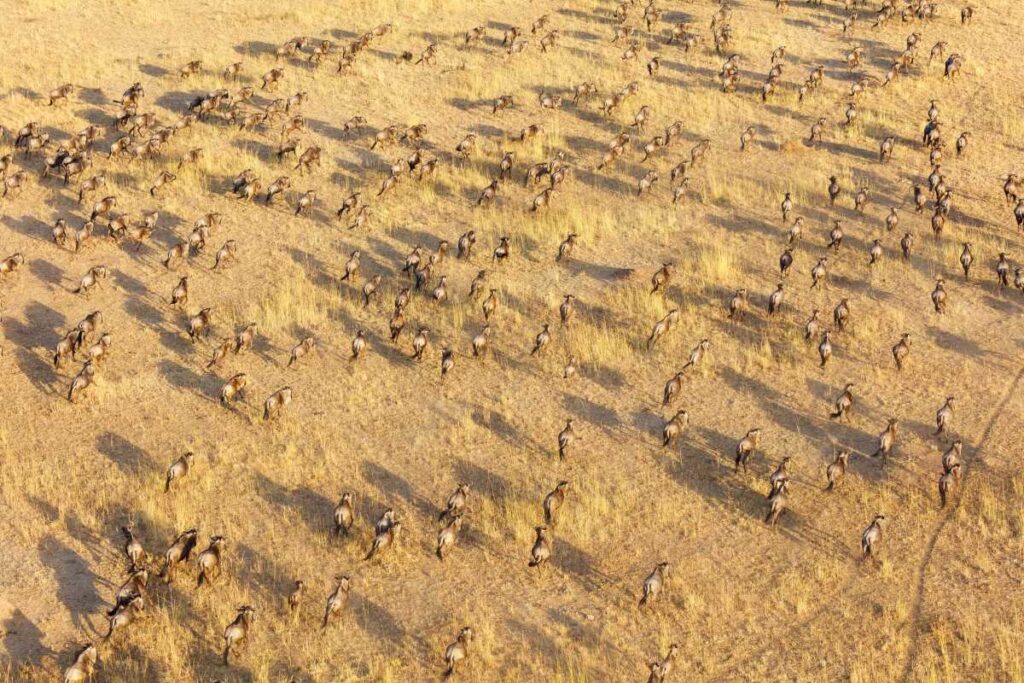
(744, 602)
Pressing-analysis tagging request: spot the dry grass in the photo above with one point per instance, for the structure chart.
(744, 602)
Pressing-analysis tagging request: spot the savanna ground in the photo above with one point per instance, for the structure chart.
(744, 602)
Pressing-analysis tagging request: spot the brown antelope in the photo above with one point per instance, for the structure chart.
(199, 324)
(886, 440)
(448, 537)
(133, 549)
(541, 551)
(836, 470)
(210, 561)
(343, 515)
(944, 416)
(566, 438)
(653, 584)
(746, 447)
(303, 348)
(84, 666)
(337, 601)
(237, 632)
(458, 650)
(276, 403)
(179, 551)
(553, 503)
(456, 503)
(385, 539)
(871, 537)
(777, 503)
(949, 482)
(82, 381)
(178, 470)
(125, 616)
(233, 388)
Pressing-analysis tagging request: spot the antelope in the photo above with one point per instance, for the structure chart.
(180, 551)
(836, 235)
(199, 324)
(653, 584)
(125, 616)
(370, 288)
(747, 138)
(82, 381)
(811, 326)
(647, 182)
(944, 417)
(237, 632)
(103, 207)
(843, 404)
(836, 470)
(871, 537)
(178, 470)
(133, 549)
(566, 438)
(777, 501)
(210, 560)
(886, 440)
(746, 447)
(952, 456)
(541, 340)
(276, 403)
(796, 230)
(179, 295)
(84, 666)
(841, 314)
(775, 300)
(948, 484)
(164, 178)
(553, 503)
(939, 296)
(66, 347)
(233, 388)
(343, 515)
(384, 540)
(819, 273)
(502, 251)
(490, 304)
(448, 537)
(541, 551)
(825, 348)
(1003, 271)
(737, 303)
(906, 244)
(786, 262)
(86, 326)
(457, 651)
(337, 601)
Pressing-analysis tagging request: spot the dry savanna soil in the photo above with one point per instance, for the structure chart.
(940, 600)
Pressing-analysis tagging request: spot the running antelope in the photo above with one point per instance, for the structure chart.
(276, 403)
(673, 428)
(237, 632)
(178, 470)
(746, 447)
(337, 601)
(653, 584)
(233, 388)
(553, 503)
(458, 650)
(836, 470)
(210, 561)
(180, 551)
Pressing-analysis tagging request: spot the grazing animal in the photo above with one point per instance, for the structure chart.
(237, 632)
(673, 428)
(746, 447)
(84, 666)
(653, 584)
(777, 502)
(541, 551)
(179, 469)
(337, 601)
(128, 614)
(276, 403)
(458, 650)
(944, 416)
(384, 541)
(199, 324)
(843, 404)
(871, 537)
(210, 561)
(566, 438)
(553, 503)
(949, 482)
(886, 440)
(343, 515)
(448, 537)
(836, 470)
(180, 551)
(303, 348)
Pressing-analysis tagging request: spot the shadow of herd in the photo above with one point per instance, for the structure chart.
(136, 133)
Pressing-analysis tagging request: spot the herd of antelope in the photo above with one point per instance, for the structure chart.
(136, 133)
